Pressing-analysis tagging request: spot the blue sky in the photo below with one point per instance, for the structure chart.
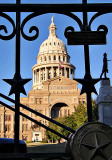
(29, 50)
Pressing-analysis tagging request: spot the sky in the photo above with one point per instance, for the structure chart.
(30, 50)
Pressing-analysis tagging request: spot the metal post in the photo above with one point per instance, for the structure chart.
(17, 76)
(87, 66)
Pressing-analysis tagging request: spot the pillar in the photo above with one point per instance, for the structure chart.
(104, 102)
(33, 76)
(65, 71)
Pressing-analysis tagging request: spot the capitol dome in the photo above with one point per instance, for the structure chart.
(53, 43)
(52, 60)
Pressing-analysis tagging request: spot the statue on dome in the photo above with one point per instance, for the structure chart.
(105, 66)
(52, 19)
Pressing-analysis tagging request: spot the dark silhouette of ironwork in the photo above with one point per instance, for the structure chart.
(88, 83)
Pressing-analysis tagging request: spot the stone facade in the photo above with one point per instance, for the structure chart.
(104, 102)
(54, 92)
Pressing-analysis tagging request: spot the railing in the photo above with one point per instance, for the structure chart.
(17, 83)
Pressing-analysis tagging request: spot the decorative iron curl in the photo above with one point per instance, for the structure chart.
(95, 16)
(103, 27)
(3, 27)
(69, 28)
(34, 28)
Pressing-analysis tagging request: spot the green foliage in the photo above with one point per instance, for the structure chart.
(74, 121)
(95, 111)
(80, 115)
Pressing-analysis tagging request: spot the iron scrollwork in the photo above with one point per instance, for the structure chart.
(34, 28)
(3, 27)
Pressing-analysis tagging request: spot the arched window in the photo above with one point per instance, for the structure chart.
(54, 57)
(64, 58)
(49, 58)
(68, 59)
(45, 58)
(59, 58)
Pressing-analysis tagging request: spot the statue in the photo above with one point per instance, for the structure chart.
(105, 66)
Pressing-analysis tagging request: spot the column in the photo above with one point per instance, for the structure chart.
(65, 71)
(33, 76)
(104, 102)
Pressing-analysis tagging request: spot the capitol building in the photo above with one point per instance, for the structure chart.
(54, 93)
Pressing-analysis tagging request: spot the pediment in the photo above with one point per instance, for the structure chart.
(60, 80)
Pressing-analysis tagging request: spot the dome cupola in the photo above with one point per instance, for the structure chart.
(53, 43)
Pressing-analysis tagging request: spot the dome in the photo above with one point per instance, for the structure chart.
(53, 43)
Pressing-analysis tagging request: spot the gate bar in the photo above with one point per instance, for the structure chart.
(49, 8)
(37, 113)
(33, 120)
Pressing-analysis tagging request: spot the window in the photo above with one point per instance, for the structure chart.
(54, 57)
(36, 134)
(45, 58)
(7, 117)
(65, 87)
(69, 87)
(24, 119)
(54, 87)
(52, 113)
(61, 87)
(57, 87)
(65, 112)
(40, 100)
(64, 58)
(59, 58)
(49, 58)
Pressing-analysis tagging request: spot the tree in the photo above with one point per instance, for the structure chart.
(74, 121)
(80, 115)
(95, 111)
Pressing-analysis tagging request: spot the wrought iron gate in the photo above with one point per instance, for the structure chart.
(87, 37)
